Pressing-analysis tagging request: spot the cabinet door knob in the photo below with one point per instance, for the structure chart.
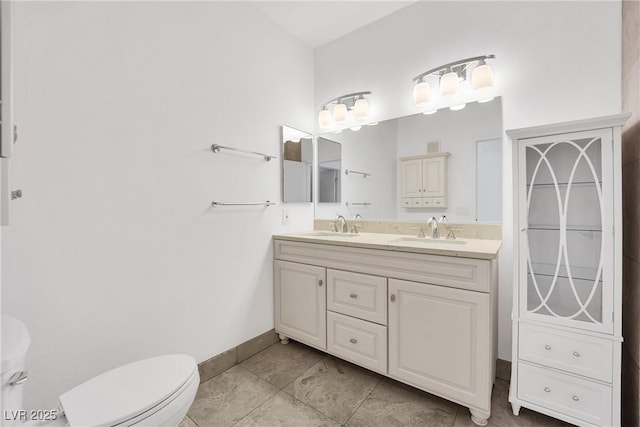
(576, 354)
(319, 282)
(353, 295)
(16, 194)
(523, 229)
(353, 341)
(547, 347)
(575, 398)
(547, 389)
(393, 297)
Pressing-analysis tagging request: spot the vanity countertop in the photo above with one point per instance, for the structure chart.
(465, 248)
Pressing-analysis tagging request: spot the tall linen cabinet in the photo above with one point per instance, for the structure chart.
(567, 316)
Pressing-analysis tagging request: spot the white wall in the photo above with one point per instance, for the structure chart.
(555, 61)
(114, 253)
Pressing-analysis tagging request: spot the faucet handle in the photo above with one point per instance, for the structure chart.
(354, 228)
(420, 230)
(334, 227)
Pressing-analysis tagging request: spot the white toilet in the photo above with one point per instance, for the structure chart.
(152, 392)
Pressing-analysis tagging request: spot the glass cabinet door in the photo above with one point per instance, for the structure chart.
(566, 229)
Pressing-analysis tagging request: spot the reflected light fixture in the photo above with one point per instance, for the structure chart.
(341, 106)
(421, 93)
(449, 76)
(356, 128)
(457, 107)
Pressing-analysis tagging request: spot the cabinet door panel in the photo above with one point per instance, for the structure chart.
(411, 178)
(301, 302)
(439, 340)
(433, 175)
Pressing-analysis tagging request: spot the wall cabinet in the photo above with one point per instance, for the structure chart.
(426, 320)
(424, 181)
(567, 297)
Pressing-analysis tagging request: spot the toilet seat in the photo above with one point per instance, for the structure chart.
(127, 395)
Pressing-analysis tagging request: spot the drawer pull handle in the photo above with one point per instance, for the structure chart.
(547, 389)
(355, 341)
(575, 398)
(353, 295)
(547, 347)
(576, 354)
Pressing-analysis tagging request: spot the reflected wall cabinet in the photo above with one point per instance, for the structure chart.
(567, 330)
(424, 181)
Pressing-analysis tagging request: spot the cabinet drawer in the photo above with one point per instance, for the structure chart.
(427, 202)
(580, 398)
(418, 203)
(581, 354)
(439, 202)
(358, 295)
(358, 341)
(406, 202)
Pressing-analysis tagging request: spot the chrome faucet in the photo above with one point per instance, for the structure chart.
(354, 226)
(343, 228)
(433, 223)
(444, 221)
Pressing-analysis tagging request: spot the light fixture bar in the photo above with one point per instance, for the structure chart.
(348, 96)
(442, 68)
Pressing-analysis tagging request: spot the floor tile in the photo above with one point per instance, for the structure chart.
(224, 400)
(280, 364)
(187, 422)
(502, 415)
(333, 387)
(282, 410)
(391, 404)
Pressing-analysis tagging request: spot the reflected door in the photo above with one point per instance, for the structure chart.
(566, 229)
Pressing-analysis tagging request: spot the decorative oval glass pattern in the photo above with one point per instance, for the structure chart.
(564, 205)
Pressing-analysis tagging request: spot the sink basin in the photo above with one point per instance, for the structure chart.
(330, 234)
(429, 242)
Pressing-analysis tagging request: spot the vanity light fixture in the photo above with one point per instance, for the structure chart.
(449, 78)
(341, 105)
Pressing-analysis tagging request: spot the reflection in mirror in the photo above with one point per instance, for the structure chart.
(297, 166)
(378, 149)
(329, 167)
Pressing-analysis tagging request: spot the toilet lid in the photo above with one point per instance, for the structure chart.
(125, 392)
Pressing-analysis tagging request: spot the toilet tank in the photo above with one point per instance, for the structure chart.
(15, 343)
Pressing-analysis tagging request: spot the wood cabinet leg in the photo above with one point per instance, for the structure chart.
(283, 339)
(516, 409)
(479, 417)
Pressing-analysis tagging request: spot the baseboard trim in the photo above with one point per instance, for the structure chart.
(228, 359)
(503, 370)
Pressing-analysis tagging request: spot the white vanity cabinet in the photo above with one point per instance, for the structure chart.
(567, 330)
(424, 181)
(426, 320)
(301, 302)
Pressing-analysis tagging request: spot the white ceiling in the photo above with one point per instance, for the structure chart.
(319, 22)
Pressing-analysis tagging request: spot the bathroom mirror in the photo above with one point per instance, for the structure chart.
(329, 171)
(297, 166)
(472, 136)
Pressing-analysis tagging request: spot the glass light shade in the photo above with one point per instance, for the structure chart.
(356, 128)
(324, 119)
(429, 112)
(340, 113)
(361, 109)
(481, 101)
(457, 107)
(482, 78)
(449, 84)
(421, 94)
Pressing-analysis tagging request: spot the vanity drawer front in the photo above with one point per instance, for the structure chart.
(418, 203)
(439, 202)
(358, 295)
(407, 202)
(363, 343)
(577, 397)
(581, 354)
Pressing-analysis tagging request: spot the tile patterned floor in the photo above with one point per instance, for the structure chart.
(296, 386)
